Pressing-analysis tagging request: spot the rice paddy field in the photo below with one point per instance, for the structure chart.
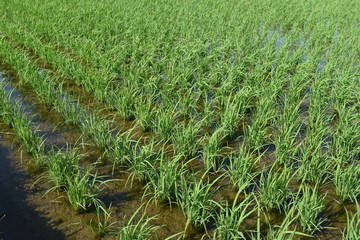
(180, 119)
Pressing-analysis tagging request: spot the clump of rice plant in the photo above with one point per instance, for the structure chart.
(285, 140)
(164, 184)
(12, 115)
(212, 150)
(283, 232)
(352, 231)
(230, 219)
(235, 110)
(143, 162)
(124, 103)
(120, 150)
(310, 205)
(347, 182)
(165, 124)
(314, 165)
(103, 214)
(144, 114)
(137, 228)
(62, 164)
(195, 199)
(82, 189)
(98, 129)
(241, 168)
(274, 189)
(185, 138)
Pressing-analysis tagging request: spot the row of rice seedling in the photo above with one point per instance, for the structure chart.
(12, 115)
(210, 145)
(81, 186)
(282, 82)
(63, 167)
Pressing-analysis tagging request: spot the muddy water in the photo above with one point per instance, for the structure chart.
(19, 218)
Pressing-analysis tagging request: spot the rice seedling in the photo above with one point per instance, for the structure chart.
(164, 185)
(310, 205)
(124, 103)
(137, 228)
(209, 114)
(144, 114)
(289, 128)
(185, 138)
(346, 138)
(62, 165)
(143, 162)
(103, 214)
(98, 129)
(235, 108)
(274, 191)
(230, 221)
(241, 168)
(283, 231)
(352, 231)
(186, 104)
(195, 199)
(82, 189)
(209, 70)
(347, 181)
(165, 123)
(12, 114)
(212, 150)
(120, 150)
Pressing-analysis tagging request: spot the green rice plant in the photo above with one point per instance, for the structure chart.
(70, 109)
(120, 150)
(241, 168)
(230, 119)
(347, 181)
(195, 199)
(185, 138)
(31, 140)
(230, 219)
(165, 123)
(12, 115)
(186, 103)
(164, 184)
(62, 165)
(256, 133)
(289, 128)
(310, 205)
(283, 231)
(212, 150)
(352, 231)
(209, 114)
(82, 189)
(143, 162)
(274, 189)
(103, 214)
(235, 108)
(314, 165)
(144, 113)
(137, 228)
(124, 103)
(346, 137)
(98, 129)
